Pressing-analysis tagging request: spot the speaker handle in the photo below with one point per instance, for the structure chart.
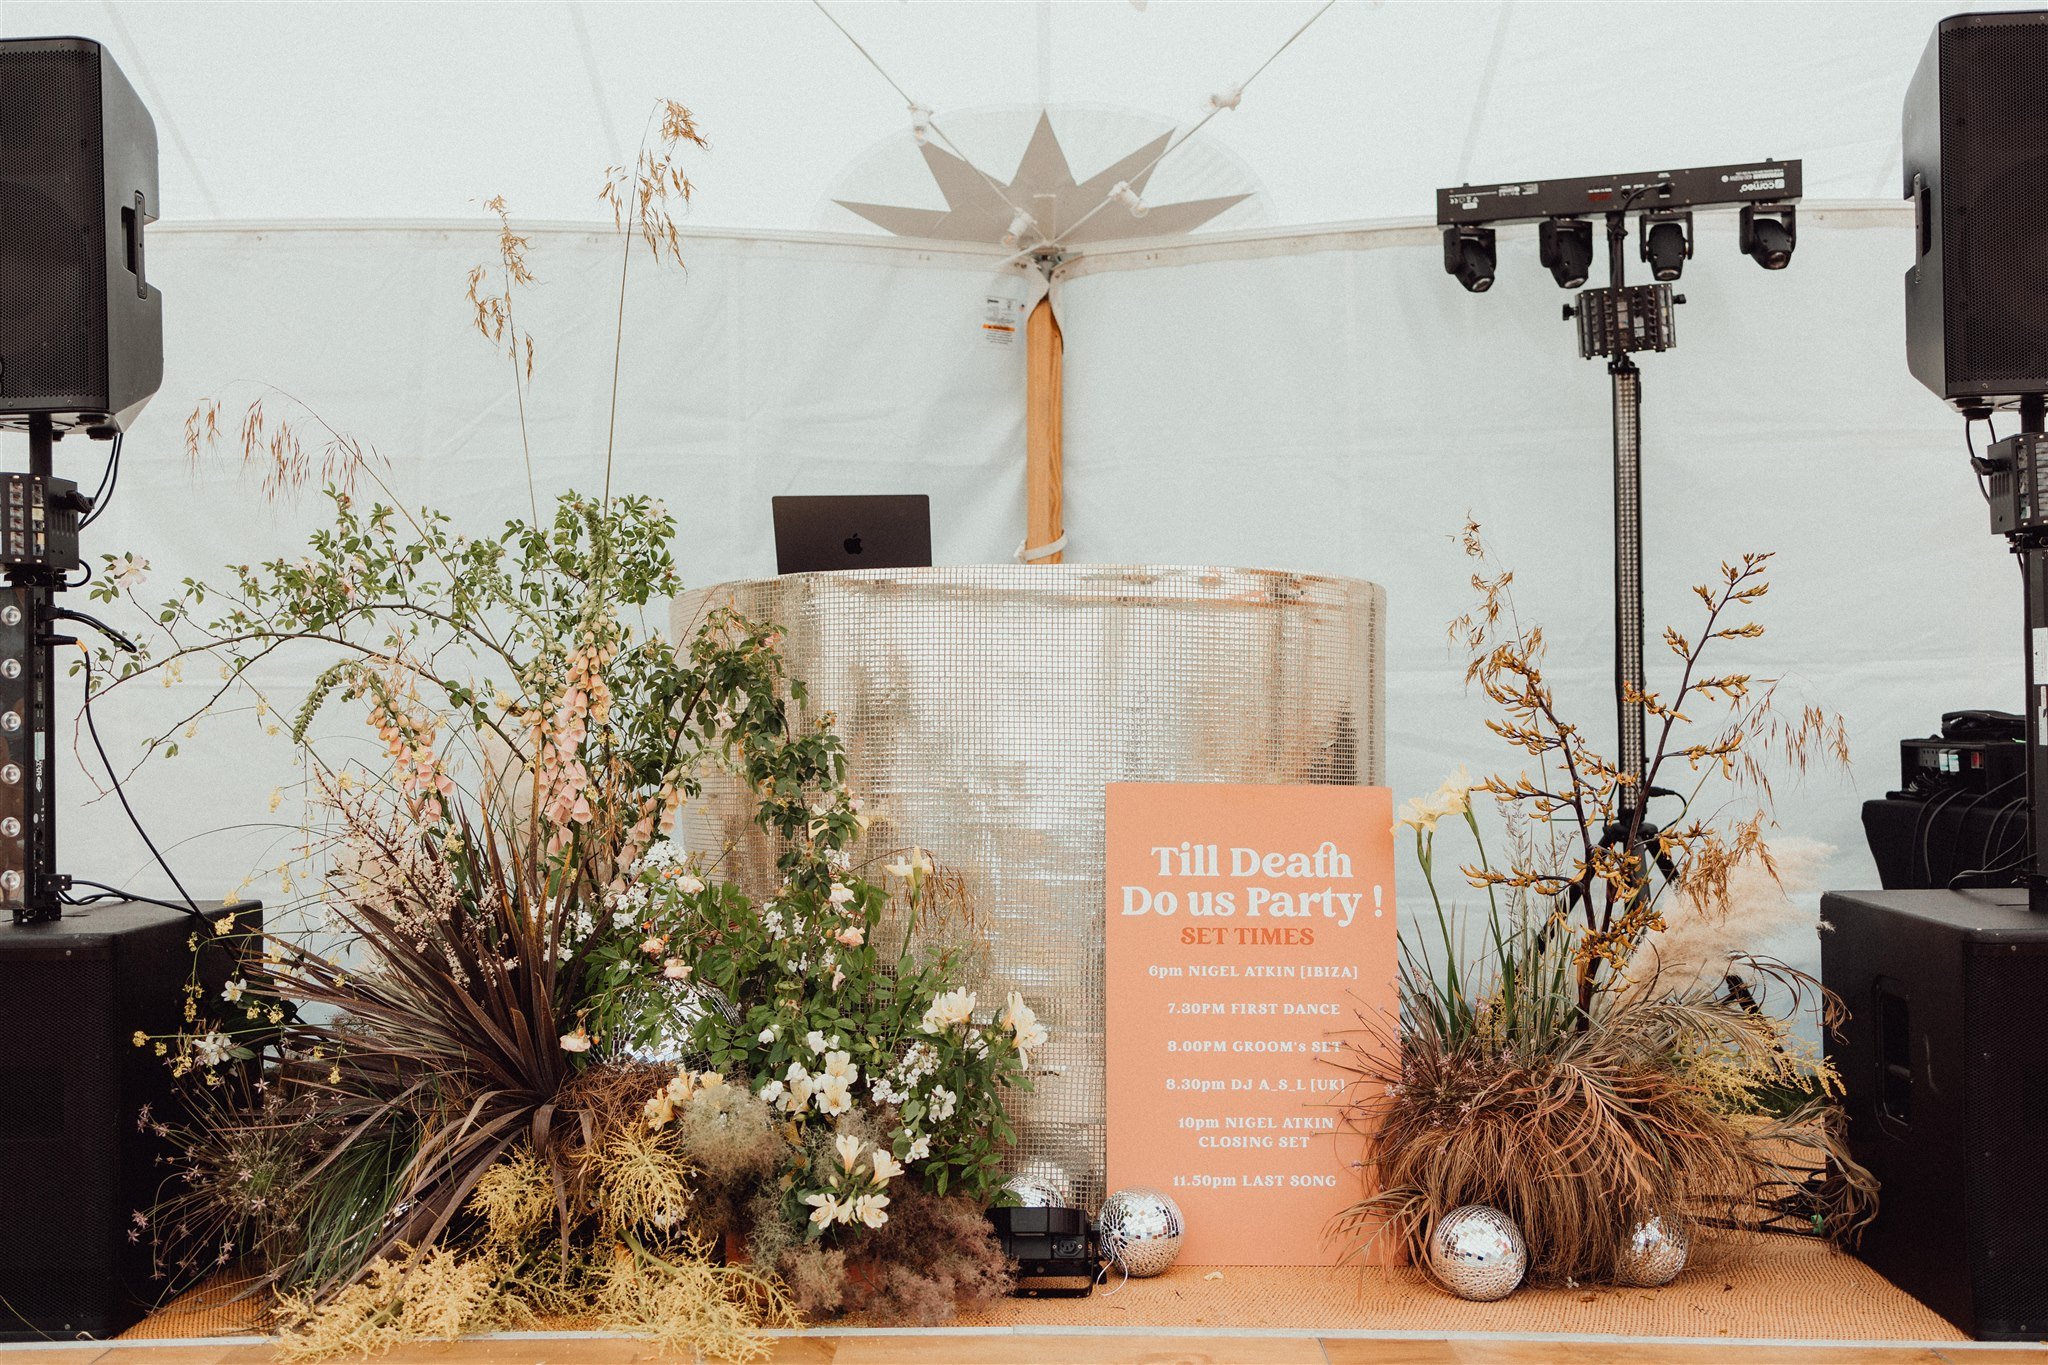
(132, 219)
(1923, 213)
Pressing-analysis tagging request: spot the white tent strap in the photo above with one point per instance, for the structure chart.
(995, 187)
(1229, 99)
(1037, 552)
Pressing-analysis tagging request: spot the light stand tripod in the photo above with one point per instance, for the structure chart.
(1615, 322)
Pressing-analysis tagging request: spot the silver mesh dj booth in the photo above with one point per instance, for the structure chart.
(984, 708)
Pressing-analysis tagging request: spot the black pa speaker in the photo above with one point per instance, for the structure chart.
(79, 1162)
(1945, 1064)
(1976, 169)
(81, 327)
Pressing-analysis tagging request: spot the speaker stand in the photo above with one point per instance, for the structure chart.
(33, 889)
(2030, 544)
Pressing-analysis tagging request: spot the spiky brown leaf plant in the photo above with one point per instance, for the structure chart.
(1666, 1103)
(440, 1032)
(1548, 1069)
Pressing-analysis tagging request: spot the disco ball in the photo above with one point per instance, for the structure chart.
(1140, 1231)
(1653, 1254)
(1476, 1252)
(1035, 1191)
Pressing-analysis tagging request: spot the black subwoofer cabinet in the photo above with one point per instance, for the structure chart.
(75, 1163)
(1945, 1060)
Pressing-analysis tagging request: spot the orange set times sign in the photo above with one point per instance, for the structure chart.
(1247, 928)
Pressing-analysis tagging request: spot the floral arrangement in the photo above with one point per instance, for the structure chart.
(528, 1059)
(1560, 1068)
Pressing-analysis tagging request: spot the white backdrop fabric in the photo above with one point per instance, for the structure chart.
(767, 367)
(1325, 402)
(1336, 402)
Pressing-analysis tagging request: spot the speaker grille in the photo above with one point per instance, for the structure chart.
(53, 345)
(1994, 154)
(2006, 1090)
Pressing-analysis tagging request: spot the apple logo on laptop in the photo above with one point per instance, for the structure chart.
(853, 544)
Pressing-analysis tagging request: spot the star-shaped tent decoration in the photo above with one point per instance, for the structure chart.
(1044, 187)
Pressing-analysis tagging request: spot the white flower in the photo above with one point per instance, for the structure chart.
(826, 1209)
(887, 1168)
(128, 572)
(943, 1103)
(852, 936)
(659, 1110)
(652, 945)
(799, 1095)
(840, 1066)
(579, 1041)
(912, 867)
(838, 977)
(232, 992)
(920, 1149)
(815, 1041)
(954, 1007)
(841, 894)
(771, 1092)
(213, 1048)
(770, 1034)
(1022, 1021)
(834, 1097)
(1416, 815)
(848, 1147)
(1454, 797)
(688, 885)
(868, 1208)
(675, 969)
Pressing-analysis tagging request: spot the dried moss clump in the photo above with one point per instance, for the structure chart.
(937, 1256)
(437, 1294)
(687, 1303)
(516, 1200)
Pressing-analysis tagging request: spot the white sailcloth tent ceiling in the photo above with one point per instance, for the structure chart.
(313, 110)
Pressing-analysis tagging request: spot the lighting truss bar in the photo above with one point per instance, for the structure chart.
(1699, 187)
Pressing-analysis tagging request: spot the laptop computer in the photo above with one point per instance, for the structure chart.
(853, 531)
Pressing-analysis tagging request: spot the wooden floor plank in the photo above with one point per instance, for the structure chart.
(1079, 1349)
(1036, 1349)
(1470, 1352)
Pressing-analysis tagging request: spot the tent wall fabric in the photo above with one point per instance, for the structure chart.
(1345, 409)
(765, 366)
(1327, 402)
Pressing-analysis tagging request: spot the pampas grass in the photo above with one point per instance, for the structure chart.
(1702, 934)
